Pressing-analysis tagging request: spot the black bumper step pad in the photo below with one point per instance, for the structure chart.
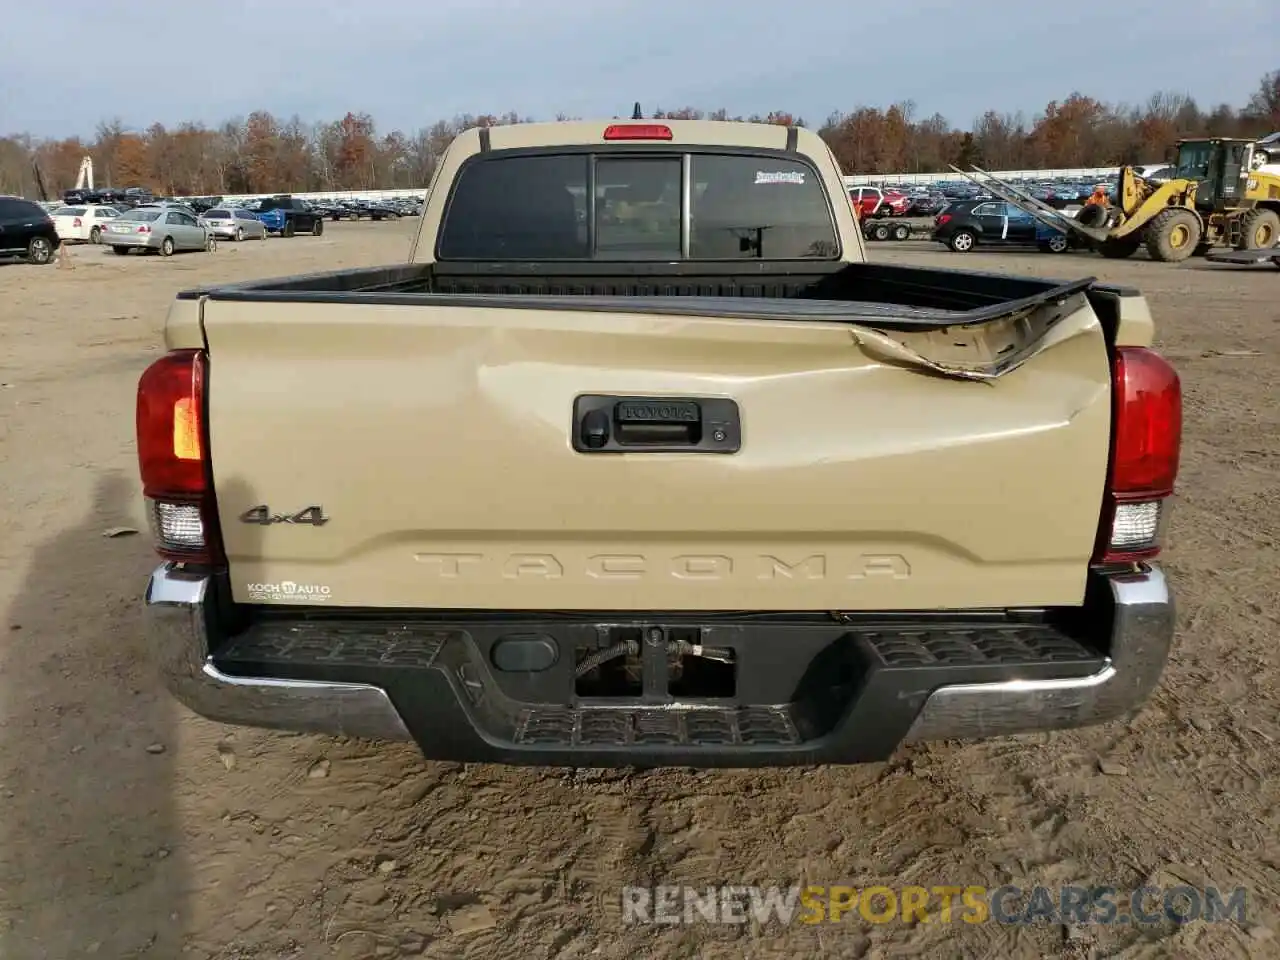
(1005, 646)
(807, 688)
(335, 643)
(604, 726)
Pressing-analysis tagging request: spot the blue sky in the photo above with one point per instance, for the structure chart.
(410, 62)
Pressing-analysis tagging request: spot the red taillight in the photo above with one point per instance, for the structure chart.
(942, 218)
(144, 229)
(1146, 442)
(637, 131)
(75, 222)
(169, 417)
(1148, 423)
(172, 457)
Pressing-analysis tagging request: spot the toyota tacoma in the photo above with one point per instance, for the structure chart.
(636, 460)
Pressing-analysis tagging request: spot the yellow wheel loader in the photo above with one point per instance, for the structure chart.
(1224, 192)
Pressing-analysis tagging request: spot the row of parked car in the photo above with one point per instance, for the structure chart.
(965, 216)
(338, 209)
(880, 201)
(133, 219)
(347, 209)
(140, 221)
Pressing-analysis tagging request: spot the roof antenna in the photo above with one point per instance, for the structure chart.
(636, 114)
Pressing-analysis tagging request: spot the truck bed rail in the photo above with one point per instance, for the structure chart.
(881, 295)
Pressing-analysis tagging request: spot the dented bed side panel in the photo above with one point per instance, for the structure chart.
(436, 439)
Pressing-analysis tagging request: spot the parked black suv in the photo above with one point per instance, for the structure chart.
(967, 223)
(26, 230)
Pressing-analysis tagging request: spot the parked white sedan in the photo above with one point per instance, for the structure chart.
(82, 222)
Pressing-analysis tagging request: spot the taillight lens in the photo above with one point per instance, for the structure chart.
(76, 222)
(172, 458)
(1146, 444)
(144, 229)
(942, 218)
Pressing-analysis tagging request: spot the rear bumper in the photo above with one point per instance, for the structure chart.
(149, 240)
(434, 682)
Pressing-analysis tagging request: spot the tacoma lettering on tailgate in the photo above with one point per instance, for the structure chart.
(689, 566)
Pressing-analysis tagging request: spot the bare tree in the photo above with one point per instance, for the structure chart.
(261, 153)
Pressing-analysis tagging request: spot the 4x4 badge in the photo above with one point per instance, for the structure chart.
(263, 516)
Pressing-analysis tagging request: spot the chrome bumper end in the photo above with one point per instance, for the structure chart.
(178, 624)
(1141, 637)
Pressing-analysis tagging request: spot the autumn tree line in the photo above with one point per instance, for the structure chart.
(264, 154)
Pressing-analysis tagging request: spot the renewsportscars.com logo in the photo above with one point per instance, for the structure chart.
(1103, 905)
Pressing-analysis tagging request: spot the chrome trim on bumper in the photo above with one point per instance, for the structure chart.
(1141, 638)
(177, 628)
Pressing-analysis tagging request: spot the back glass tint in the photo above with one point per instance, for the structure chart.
(535, 207)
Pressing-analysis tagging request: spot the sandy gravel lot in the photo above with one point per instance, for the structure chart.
(129, 828)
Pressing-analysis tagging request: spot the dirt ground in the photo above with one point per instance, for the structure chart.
(130, 828)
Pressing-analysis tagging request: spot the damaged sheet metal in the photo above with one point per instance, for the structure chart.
(981, 351)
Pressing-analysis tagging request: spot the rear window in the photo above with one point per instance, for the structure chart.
(536, 208)
(219, 214)
(69, 212)
(147, 216)
(759, 207)
(17, 208)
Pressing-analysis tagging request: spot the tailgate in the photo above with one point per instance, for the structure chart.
(439, 442)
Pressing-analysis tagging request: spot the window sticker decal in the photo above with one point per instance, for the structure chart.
(780, 176)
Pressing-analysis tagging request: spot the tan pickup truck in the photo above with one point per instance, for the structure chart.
(637, 461)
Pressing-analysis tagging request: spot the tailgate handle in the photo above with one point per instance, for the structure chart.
(613, 424)
(658, 421)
